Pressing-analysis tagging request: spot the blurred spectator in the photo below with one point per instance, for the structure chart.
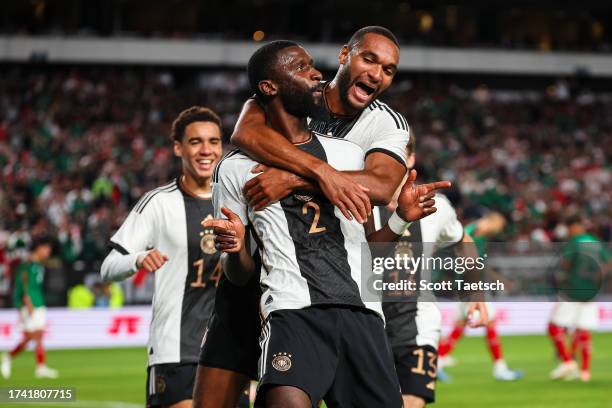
(79, 146)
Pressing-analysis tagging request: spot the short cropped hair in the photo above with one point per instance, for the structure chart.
(40, 241)
(190, 115)
(359, 34)
(261, 63)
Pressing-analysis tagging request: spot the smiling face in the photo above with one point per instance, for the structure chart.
(200, 149)
(366, 70)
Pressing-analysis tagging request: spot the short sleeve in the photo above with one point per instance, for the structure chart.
(391, 137)
(137, 231)
(450, 230)
(227, 190)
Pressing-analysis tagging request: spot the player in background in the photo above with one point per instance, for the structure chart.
(413, 328)
(163, 234)
(29, 299)
(367, 66)
(481, 231)
(311, 257)
(584, 263)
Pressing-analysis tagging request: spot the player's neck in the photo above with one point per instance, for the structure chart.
(333, 101)
(295, 129)
(199, 188)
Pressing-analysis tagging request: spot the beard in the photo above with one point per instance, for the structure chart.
(344, 83)
(301, 102)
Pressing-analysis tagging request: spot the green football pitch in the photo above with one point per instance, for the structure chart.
(114, 378)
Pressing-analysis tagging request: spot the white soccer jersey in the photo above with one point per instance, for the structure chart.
(311, 254)
(378, 128)
(410, 323)
(168, 219)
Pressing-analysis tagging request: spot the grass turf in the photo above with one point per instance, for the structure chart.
(115, 378)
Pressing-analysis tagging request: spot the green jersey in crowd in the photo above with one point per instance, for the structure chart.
(29, 281)
(583, 259)
(480, 241)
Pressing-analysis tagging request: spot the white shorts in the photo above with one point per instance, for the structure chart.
(35, 321)
(428, 323)
(463, 308)
(576, 315)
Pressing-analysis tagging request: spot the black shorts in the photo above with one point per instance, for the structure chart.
(168, 384)
(231, 339)
(337, 354)
(416, 369)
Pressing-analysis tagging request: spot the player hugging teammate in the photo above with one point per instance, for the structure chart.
(288, 212)
(319, 341)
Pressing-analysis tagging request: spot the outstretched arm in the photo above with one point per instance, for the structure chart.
(414, 202)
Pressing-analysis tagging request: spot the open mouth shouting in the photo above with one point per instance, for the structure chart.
(363, 92)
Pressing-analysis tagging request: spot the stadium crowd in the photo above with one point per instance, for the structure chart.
(78, 147)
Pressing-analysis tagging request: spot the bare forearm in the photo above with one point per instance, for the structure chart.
(270, 147)
(380, 187)
(383, 235)
(379, 191)
(239, 266)
(27, 302)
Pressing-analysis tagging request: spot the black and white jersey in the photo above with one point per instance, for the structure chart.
(419, 323)
(378, 128)
(310, 253)
(169, 219)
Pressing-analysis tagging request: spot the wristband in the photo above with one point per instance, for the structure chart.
(397, 224)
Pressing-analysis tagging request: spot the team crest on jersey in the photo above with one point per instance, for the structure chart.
(207, 243)
(303, 198)
(281, 361)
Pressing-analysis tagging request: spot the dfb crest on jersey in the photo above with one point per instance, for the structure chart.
(160, 384)
(281, 361)
(207, 243)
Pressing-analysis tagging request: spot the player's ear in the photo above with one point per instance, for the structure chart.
(268, 88)
(343, 55)
(178, 149)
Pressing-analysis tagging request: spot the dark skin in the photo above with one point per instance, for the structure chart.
(295, 66)
(373, 63)
(224, 386)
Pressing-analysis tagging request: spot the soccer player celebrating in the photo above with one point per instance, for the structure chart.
(413, 328)
(481, 231)
(29, 299)
(352, 111)
(320, 340)
(368, 64)
(163, 234)
(584, 262)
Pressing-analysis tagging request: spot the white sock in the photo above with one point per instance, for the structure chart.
(501, 365)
